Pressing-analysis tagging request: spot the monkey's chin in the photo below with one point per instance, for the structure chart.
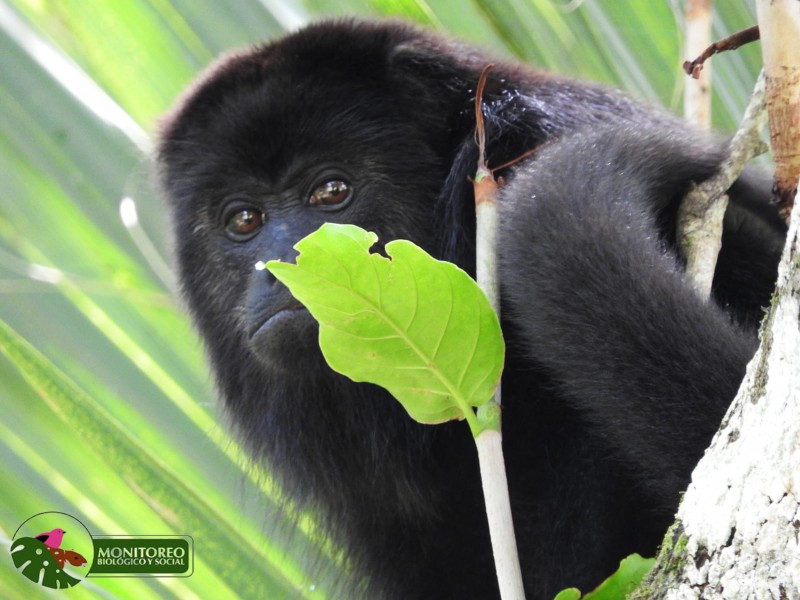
(287, 339)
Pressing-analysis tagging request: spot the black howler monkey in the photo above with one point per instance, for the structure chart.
(617, 374)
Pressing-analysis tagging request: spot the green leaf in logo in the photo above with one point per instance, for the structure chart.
(33, 559)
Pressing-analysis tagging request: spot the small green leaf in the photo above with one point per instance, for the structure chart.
(419, 327)
(490, 416)
(568, 594)
(630, 573)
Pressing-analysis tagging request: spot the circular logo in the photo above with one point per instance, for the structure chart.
(53, 549)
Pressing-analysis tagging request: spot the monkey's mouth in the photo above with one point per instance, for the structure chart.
(285, 336)
(280, 316)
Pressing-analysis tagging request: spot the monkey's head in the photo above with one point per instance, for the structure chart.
(353, 123)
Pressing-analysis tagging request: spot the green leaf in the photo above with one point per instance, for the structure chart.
(568, 594)
(33, 559)
(419, 327)
(630, 573)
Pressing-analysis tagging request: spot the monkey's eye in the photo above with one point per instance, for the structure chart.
(243, 222)
(333, 194)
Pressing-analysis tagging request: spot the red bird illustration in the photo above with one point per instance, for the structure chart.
(51, 539)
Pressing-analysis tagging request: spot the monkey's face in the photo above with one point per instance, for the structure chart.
(258, 158)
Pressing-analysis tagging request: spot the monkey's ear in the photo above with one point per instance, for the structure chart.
(437, 77)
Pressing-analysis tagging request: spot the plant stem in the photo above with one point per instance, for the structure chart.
(498, 513)
(490, 441)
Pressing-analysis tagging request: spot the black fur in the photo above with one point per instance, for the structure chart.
(617, 374)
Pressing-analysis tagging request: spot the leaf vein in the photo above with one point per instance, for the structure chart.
(438, 345)
(468, 363)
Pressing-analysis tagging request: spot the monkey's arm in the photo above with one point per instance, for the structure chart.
(603, 306)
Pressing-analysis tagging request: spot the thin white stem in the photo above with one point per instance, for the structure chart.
(498, 513)
(490, 441)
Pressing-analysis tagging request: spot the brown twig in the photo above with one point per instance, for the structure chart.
(484, 185)
(732, 42)
(480, 129)
(480, 140)
(514, 161)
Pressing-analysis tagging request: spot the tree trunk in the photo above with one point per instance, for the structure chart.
(738, 527)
